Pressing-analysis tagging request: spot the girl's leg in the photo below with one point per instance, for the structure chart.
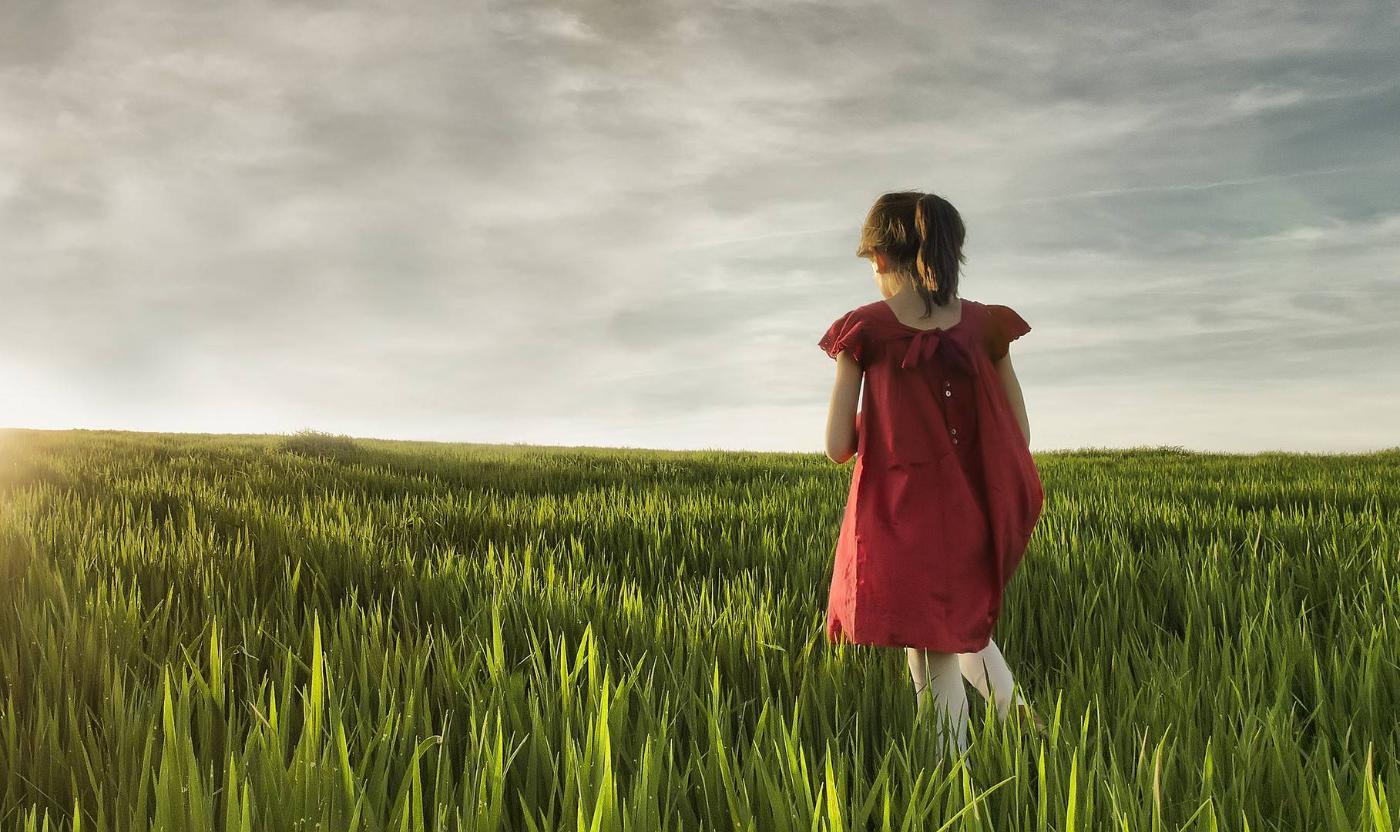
(987, 671)
(947, 699)
(918, 672)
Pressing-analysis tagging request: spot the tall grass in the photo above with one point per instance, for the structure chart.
(221, 633)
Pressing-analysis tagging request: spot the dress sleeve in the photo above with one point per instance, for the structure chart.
(1006, 326)
(846, 334)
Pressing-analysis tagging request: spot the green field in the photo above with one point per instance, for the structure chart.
(245, 633)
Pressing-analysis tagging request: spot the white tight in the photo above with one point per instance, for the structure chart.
(940, 675)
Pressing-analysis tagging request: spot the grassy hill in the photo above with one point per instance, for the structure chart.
(262, 632)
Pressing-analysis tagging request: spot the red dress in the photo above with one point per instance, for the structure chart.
(944, 494)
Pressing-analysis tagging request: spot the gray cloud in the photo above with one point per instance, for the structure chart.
(620, 224)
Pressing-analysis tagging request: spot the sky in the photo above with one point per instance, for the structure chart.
(628, 224)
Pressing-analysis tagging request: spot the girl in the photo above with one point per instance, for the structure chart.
(944, 493)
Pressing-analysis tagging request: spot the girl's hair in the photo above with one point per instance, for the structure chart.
(922, 234)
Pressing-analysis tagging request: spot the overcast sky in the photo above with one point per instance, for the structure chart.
(628, 224)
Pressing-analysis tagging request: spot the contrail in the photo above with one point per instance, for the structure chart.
(1197, 186)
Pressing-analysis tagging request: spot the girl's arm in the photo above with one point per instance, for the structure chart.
(1013, 394)
(841, 437)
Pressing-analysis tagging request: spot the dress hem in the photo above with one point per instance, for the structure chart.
(935, 648)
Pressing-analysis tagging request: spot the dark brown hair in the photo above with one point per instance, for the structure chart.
(922, 234)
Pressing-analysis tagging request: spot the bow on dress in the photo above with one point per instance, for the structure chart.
(924, 343)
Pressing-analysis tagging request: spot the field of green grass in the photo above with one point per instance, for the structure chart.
(205, 632)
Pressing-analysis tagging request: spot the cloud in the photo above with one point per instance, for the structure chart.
(467, 219)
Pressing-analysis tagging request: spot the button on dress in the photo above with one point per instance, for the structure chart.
(944, 493)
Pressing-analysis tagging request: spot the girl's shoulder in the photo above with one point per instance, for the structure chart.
(1003, 325)
(864, 331)
(879, 317)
